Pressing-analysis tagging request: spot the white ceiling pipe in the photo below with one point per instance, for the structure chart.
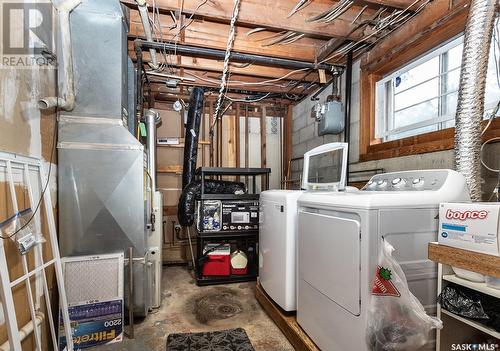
(25, 331)
(470, 107)
(143, 11)
(67, 100)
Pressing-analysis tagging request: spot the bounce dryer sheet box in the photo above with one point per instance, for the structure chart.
(470, 226)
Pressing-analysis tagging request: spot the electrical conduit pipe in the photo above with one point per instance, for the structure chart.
(67, 102)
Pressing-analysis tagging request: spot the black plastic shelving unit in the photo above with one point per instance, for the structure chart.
(247, 240)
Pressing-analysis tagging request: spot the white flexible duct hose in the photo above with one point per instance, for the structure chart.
(67, 101)
(470, 107)
(143, 11)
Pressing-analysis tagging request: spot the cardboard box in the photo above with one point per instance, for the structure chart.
(94, 324)
(470, 226)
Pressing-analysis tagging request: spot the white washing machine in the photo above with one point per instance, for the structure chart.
(277, 246)
(339, 237)
(325, 169)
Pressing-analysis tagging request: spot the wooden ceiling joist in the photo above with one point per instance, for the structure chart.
(214, 35)
(271, 15)
(236, 82)
(439, 20)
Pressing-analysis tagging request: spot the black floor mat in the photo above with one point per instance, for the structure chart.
(223, 340)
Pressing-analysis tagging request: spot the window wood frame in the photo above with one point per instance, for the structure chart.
(381, 61)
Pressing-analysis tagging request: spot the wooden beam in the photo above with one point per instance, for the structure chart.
(465, 259)
(272, 15)
(236, 82)
(437, 22)
(328, 48)
(285, 321)
(214, 35)
(394, 4)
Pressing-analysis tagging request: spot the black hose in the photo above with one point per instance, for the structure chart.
(195, 112)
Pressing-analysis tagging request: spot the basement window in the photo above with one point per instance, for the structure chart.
(421, 97)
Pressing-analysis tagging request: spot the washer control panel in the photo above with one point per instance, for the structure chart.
(407, 181)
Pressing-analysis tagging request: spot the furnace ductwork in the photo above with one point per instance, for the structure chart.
(470, 107)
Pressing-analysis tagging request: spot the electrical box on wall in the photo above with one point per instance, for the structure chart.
(332, 120)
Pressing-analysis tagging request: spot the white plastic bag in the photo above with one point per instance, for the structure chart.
(396, 319)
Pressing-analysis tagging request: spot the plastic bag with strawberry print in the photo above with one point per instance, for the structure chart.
(396, 319)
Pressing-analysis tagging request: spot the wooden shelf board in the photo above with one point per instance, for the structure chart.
(470, 260)
(287, 322)
(481, 287)
(473, 324)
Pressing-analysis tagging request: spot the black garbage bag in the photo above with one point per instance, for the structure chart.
(463, 302)
(187, 200)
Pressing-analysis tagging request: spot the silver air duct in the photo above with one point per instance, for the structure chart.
(470, 107)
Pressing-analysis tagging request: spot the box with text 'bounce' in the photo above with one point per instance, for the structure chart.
(470, 226)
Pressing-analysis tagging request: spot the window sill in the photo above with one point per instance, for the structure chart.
(420, 144)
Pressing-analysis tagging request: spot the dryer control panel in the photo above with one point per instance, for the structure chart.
(430, 180)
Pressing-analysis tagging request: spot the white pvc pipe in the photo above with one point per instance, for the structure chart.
(143, 11)
(67, 100)
(25, 331)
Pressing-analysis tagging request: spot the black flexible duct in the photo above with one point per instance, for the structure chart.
(195, 112)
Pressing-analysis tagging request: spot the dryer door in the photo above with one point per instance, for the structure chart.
(329, 257)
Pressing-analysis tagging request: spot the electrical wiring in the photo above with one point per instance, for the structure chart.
(229, 46)
(481, 157)
(245, 100)
(264, 82)
(359, 14)
(190, 19)
(392, 19)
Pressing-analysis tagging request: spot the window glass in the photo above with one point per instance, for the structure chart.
(423, 98)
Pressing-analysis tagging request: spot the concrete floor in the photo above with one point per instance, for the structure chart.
(189, 308)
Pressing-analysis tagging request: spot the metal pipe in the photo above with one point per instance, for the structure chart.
(152, 118)
(67, 101)
(143, 11)
(348, 87)
(140, 97)
(194, 51)
(470, 107)
(320, 90)
(25, 331)
(131, 292)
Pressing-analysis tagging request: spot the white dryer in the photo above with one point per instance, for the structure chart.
(339, 237)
